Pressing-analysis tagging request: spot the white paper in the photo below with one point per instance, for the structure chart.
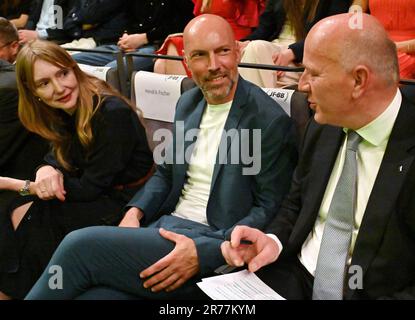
(282, 96)
(156, 95)
(242, 285)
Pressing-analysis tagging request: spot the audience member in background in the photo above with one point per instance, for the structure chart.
(21, 151)
(279, 38)
(99, 158)
(9, 41)
(150, 21)
(46, 21)
(94, 22)
(97, 22)
(192, 206)
(17, 11)
(346, 230)
(242, 15)
(398, 18)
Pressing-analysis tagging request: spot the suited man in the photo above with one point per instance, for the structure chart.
(20, 151)
(195, 202)
(44, 21)
(351, 76)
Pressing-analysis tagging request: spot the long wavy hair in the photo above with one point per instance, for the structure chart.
(298, 13)
(46, 121)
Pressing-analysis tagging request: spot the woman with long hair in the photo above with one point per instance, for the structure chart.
(99, 158)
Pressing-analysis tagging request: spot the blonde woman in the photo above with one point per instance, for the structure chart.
(99, 158)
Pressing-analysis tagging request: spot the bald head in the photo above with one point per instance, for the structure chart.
(207, 25)
(212, 56)
(350, 45)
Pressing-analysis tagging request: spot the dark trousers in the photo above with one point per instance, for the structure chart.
(289, 278)
(97, 262)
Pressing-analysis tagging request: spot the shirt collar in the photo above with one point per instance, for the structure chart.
(379, 130)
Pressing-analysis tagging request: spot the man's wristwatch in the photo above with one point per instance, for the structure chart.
(25, 191)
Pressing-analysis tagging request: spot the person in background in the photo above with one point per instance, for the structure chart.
(279, 38)
(17, 11)
(150, 21)
(44, 21)
(397, 16)
(21, 151)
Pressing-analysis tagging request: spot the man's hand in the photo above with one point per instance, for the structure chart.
(263, 250)
(49, 184)
(27, 35)
(172, 271)
(132, 218)
(131, 42)
(283, 58)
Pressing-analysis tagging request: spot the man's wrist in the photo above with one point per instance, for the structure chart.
(277, 241)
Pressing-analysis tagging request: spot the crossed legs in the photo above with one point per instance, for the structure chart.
(107, 257)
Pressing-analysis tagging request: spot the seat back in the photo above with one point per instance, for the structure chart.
(293, 102)
(296, 105)
(156, 96)
(108, 74)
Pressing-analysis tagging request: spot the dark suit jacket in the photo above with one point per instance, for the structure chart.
(20, 151)
(108, 17)
(235, 198)
(385, 244)
(58, 34)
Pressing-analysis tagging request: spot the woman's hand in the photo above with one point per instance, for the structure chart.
(49, 184)
(132, 218)
(283, 58)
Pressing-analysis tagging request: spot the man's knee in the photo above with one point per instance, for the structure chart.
(82, 238)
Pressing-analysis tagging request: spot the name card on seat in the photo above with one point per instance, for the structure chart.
(157, 94)
(282, 96)
(99, 72)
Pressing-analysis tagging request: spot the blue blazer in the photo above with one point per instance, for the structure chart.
(235, 199)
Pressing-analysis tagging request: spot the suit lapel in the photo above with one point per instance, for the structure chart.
(326, 150)
(382, 201)
(232, 122)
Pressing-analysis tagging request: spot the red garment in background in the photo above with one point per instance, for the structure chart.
(398, 18)
(242, 15)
